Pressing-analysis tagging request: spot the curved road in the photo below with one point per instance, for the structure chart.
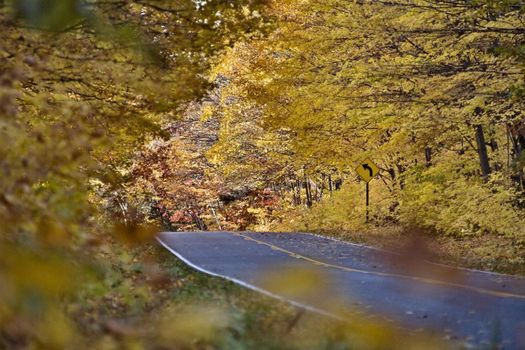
(477, 309)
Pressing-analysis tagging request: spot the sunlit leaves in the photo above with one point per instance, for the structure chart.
(82, 86)
(347, 81)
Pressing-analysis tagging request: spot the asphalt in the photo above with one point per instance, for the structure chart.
(472, 308)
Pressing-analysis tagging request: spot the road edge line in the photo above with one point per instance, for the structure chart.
(248, 285)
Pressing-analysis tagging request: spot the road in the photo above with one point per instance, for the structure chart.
(469, 307)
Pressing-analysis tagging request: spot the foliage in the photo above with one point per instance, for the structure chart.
(117, 116)
(457, 206)
(409, 85)
(82, 85)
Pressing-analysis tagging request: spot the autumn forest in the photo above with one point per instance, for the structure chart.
(120, 119)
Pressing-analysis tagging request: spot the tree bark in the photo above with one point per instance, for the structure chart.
(197, 220)
(308, 192)
(482, 153)
(428, 156)
(298, 189)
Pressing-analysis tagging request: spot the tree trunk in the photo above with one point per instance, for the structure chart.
(198, 221)
(428, 156)
(482, 152)
(322, 187)
(298, 189)
(217, 221)
(516, 133)
(308, 192)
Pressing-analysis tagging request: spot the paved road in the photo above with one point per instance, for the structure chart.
(471, 307)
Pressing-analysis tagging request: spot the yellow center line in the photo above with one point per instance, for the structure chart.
(386, 274)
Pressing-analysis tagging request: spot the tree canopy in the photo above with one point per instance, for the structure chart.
(421, 87)
(119, 118)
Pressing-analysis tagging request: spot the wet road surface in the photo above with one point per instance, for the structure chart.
(471, 307)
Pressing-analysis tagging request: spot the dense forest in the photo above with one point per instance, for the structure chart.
(123, 118)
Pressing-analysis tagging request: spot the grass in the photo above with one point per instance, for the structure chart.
(152, 300)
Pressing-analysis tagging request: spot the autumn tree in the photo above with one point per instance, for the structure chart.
(82, 85)
(429, 90)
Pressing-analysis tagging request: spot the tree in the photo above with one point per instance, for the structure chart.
(82, 85)
(391, 82)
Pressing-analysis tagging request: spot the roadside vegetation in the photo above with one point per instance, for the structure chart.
(121, 118)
